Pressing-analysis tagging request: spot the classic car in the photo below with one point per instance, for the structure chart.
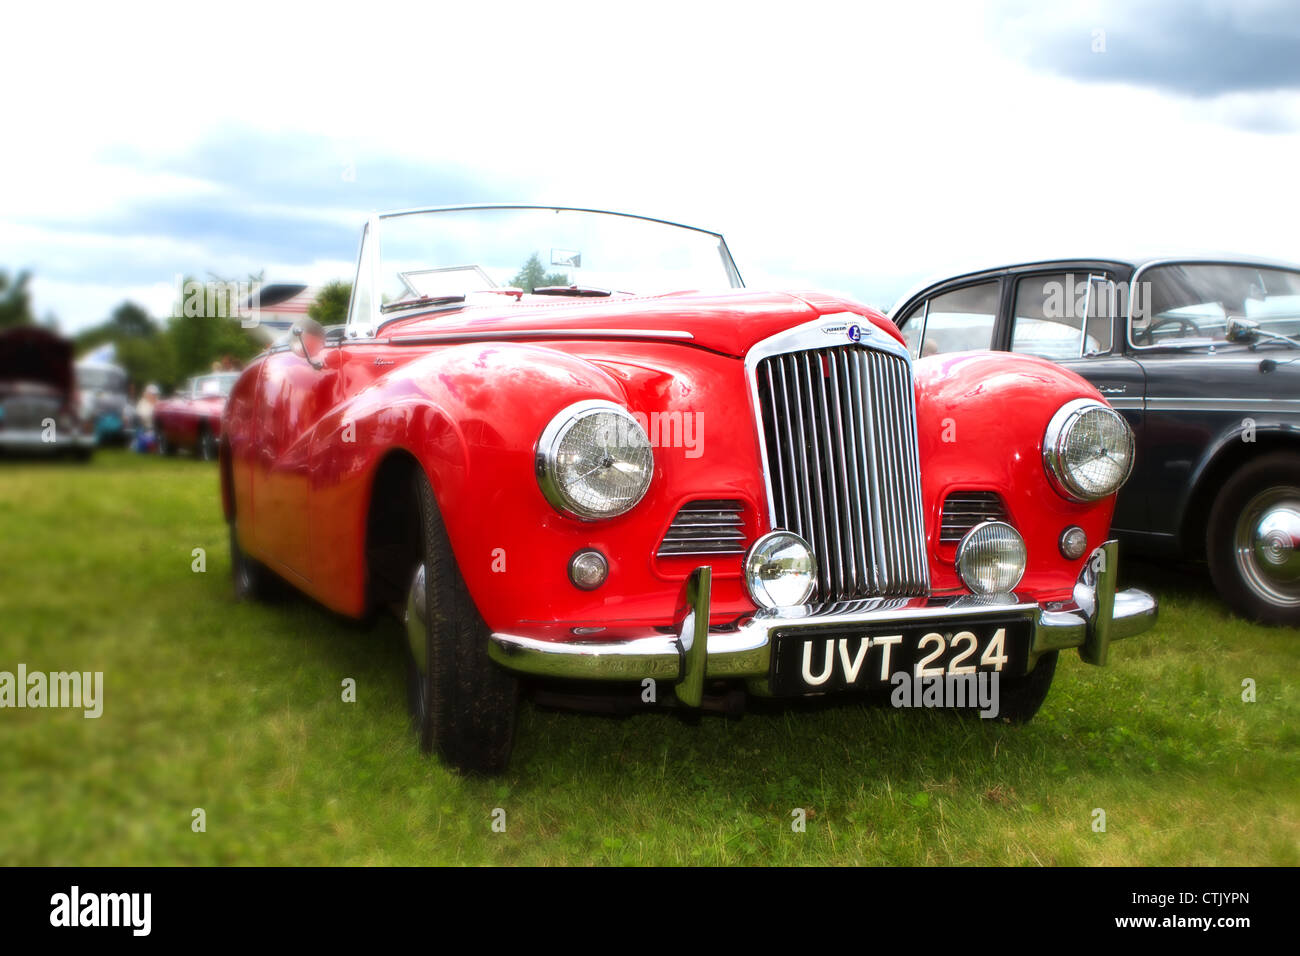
(103, 401)
(1202, 357)
(38, 407)
(569, 446)
(191, 419)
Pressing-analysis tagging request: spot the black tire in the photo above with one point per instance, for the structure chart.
(1260, 582)
(253, 582)
(165, 447)
(463, 705)
(207, 449)
(1019, 698)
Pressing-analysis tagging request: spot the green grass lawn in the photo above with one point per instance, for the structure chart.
(237, 709)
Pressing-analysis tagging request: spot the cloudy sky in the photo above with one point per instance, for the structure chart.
(854, 150)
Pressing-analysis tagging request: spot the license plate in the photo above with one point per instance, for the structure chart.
(865, 658)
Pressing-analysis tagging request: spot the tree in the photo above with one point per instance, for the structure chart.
(331, 304)
(533, 276)
(15, 300)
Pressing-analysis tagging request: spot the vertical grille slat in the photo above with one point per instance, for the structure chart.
(839, 425)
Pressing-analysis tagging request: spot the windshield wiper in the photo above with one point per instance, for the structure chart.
(582, 291)
(434, 300)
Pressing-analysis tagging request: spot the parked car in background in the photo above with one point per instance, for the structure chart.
(191, 419)
(38, 409)
(1202, 357)
(569, 445)
(103, 401)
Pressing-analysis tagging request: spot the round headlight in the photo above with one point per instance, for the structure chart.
(594, 461)
(1087, 450)
(780, 570)
(991, 558)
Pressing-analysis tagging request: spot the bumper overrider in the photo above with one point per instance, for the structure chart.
(1095, 616)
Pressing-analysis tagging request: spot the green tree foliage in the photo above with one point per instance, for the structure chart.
(168, 352)
(331, 305)
(15, 300)
(534, 276)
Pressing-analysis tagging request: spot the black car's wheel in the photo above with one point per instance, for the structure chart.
(164, 446)
(207, 444)
(1253, 541)
(253, 582)
(1019, 698)
(463, 705)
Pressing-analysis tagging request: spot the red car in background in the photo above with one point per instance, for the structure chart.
(191, 419)
(569, 446)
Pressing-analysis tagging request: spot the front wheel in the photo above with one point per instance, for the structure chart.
(1253, 541)
(253, 582)
(463, 705)
(1019, 698)
(207, 445)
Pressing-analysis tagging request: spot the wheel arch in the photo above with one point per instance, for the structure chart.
(1230, 453)
(392, 537)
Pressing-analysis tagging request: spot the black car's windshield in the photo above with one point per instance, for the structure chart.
(1188, 304)
(436, 256)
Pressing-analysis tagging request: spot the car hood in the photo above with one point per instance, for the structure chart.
(33, 355)
(729, 323)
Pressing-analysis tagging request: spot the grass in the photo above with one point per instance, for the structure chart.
(237, 709)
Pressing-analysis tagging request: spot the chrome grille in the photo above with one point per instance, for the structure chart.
(705, 527)
(963, 510)
(840, 429)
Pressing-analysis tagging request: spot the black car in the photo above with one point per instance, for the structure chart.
(1202, 357)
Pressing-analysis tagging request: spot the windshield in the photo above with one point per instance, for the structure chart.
(458, 252)
(207, 386)
(1190, 303)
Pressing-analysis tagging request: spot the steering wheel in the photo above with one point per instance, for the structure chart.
(1182, 321)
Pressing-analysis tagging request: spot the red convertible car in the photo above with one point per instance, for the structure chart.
(569, 445)
(191, 419)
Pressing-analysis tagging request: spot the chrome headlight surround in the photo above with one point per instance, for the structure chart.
(632, 449)
(991, 558)
(1063, 429)
(780, 557)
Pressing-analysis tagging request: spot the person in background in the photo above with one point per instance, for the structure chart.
(144, 436)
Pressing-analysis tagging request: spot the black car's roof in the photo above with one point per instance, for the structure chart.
(1133, 262)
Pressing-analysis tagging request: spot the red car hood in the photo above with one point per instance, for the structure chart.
(729, 323)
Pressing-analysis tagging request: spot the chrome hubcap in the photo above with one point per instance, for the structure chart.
(1267, 545)
(416, 638)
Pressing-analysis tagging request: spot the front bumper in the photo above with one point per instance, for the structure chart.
(1096, 616)
(35, 440)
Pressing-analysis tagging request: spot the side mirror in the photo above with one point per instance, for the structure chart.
(1241, 330)
(309, 340)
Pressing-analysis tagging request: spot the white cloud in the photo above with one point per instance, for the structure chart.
(856, 149)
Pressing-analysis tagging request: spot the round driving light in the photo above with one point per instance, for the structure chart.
(780, 570)
(1074, 541)
(991, 558)
(1087, 450)
(594, 461)
(588, 570)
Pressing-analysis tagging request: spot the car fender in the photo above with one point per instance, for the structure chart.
(470, 415)
(981, 418)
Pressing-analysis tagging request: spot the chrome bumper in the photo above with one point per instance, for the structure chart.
(1096, 616)
(33, 439)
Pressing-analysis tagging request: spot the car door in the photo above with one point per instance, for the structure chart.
(294, 396)
(1074, 315)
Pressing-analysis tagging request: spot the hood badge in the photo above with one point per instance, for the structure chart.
(855, 333)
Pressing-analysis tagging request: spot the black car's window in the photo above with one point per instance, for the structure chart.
(1063, 315)
(1190, 303)
(955, 321)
